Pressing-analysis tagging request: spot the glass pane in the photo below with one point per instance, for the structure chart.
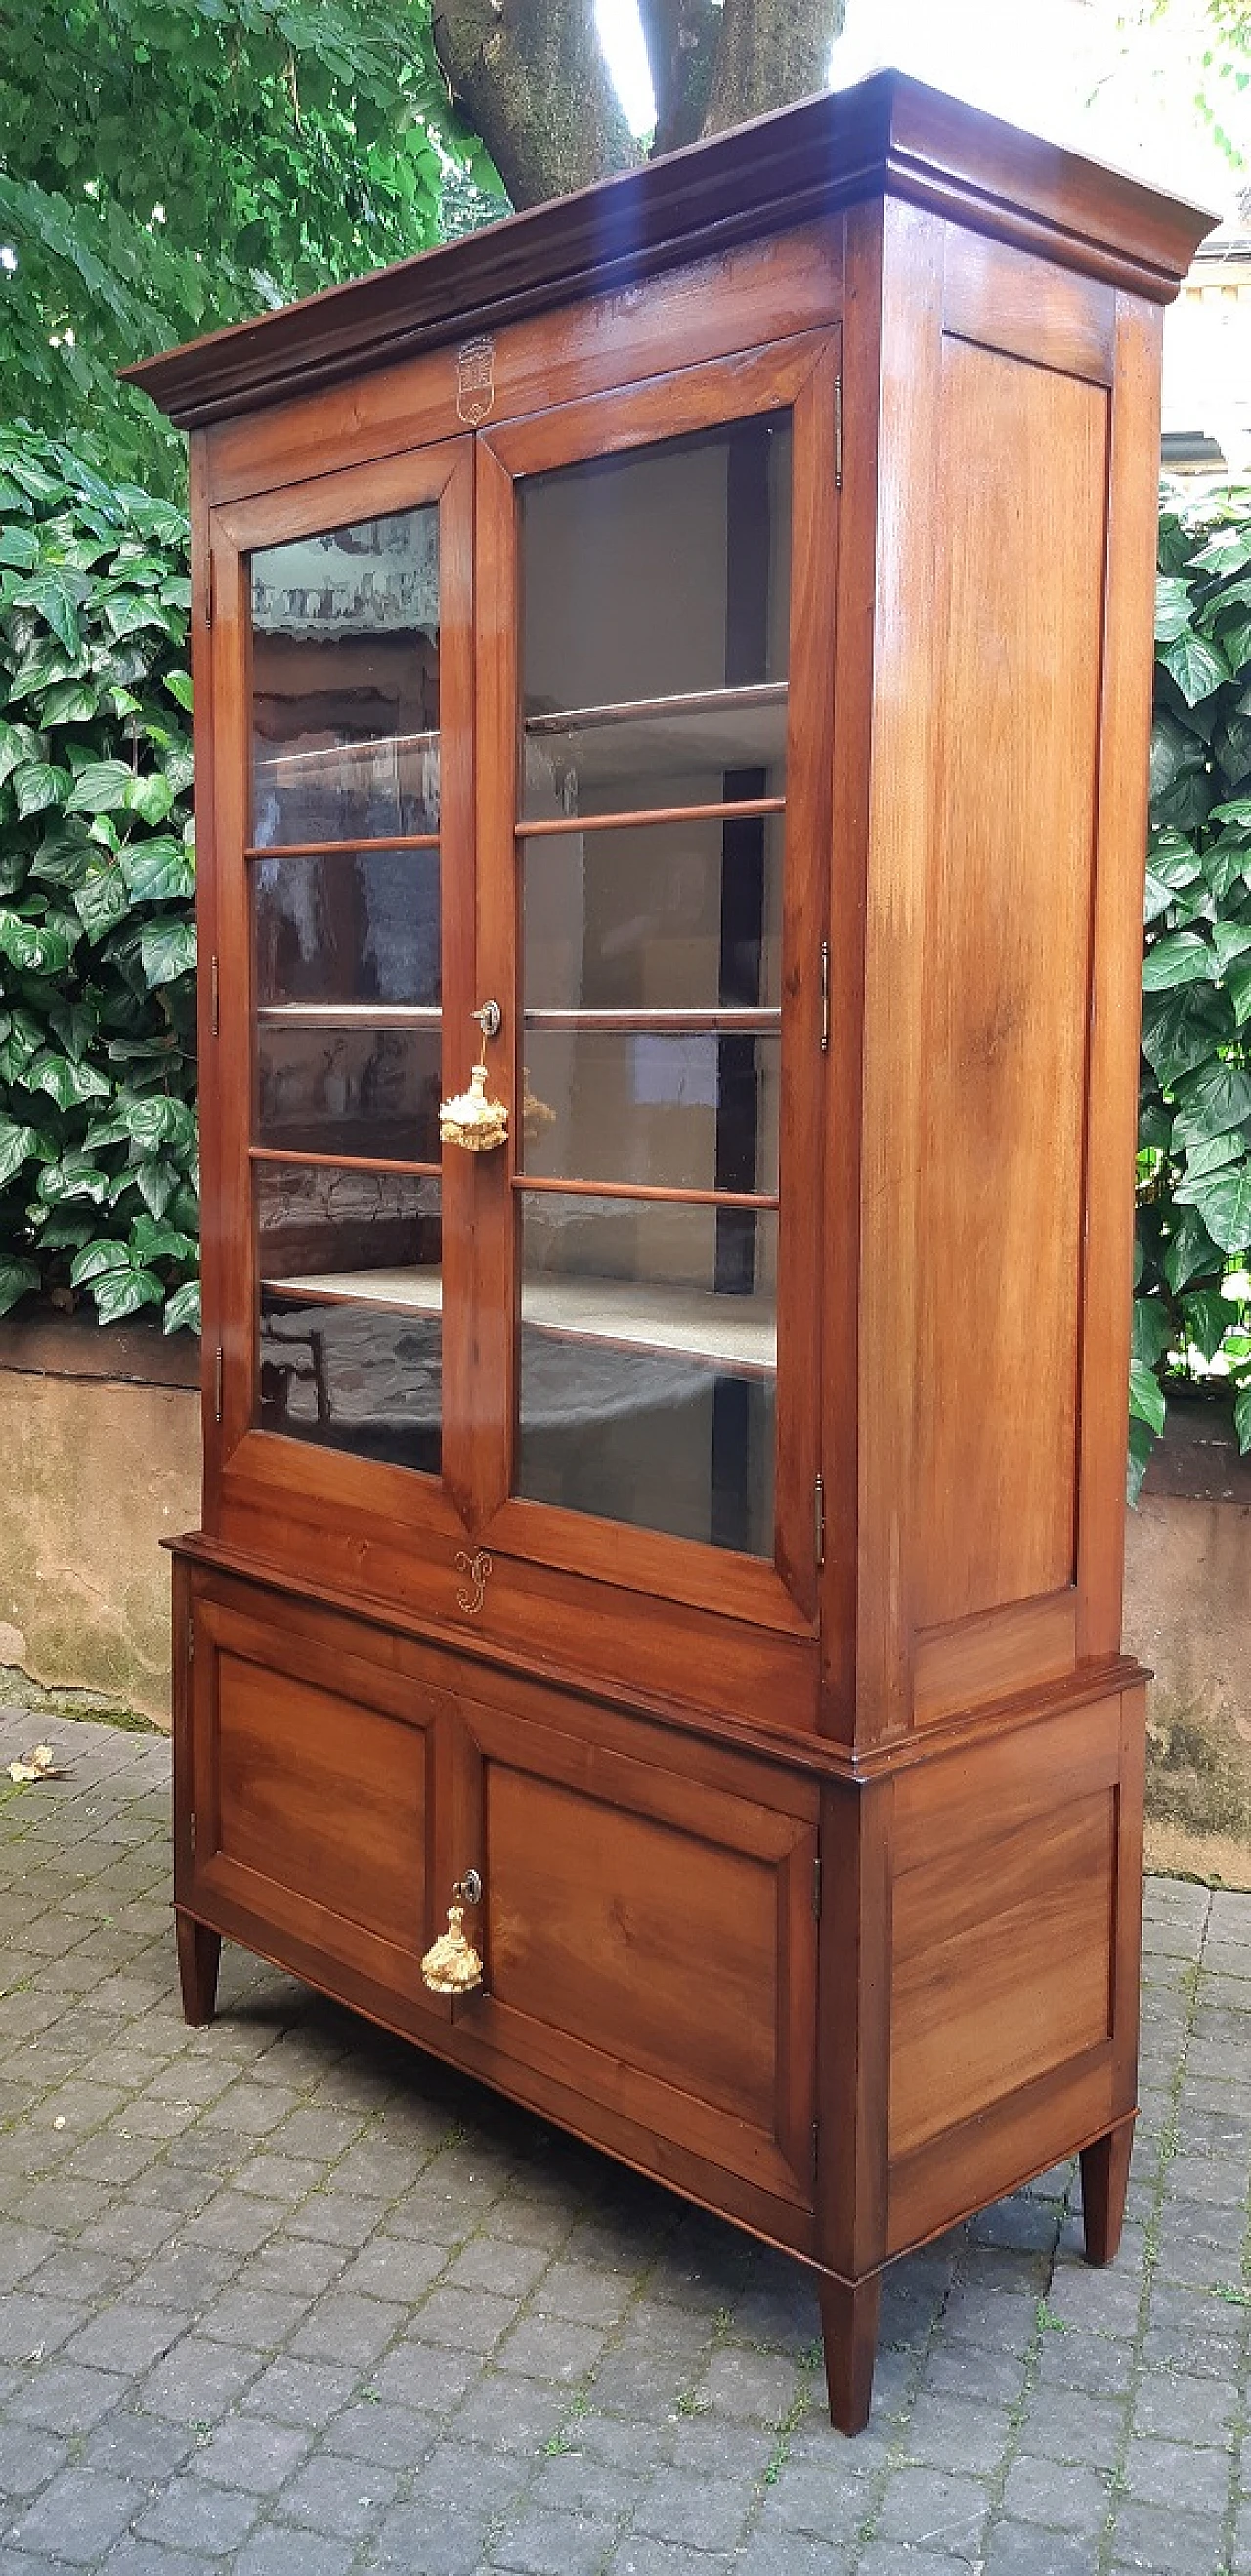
(345, 682)
(353, 926)
(327, 1089)
(657, 575)
(672, 1112)
(648, 1365)
(351, 1298)
(665, 916)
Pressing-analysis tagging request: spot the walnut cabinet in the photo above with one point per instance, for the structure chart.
(703, 629)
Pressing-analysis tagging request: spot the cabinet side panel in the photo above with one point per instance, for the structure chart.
(1016, 676)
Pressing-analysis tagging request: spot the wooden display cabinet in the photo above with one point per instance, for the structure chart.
(710, 620)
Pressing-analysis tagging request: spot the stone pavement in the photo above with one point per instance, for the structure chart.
(283, 2298)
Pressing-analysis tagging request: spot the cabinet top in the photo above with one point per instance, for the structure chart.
(889, 135)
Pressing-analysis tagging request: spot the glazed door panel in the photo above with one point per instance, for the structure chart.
(653, 834)
(649, 1941)
(343, 867)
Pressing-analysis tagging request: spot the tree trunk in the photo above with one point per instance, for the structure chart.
(771, 52)
(530, 78)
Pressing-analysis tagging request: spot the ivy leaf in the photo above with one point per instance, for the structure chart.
(101, 788)
(36, 786)
(102, 1253)
(75, 1024)
(152, 1241)
(1213, 1154)
(73, 1176)
(40, 947)
(157, 1183)
(19, 546)
(22, 1039)
(155, 1118)
(70, 702)
(17, 1278)
(167, 949)
(1181, 1031)
(178, 684)
(18, 1146)
(159, 871)
(1182, 957)
(1207, 1316)
(1189, 1250)
(57, 595)
(150, 798)
(1141, 1444)
(123, 1291)
(1152, 1331)
(182, 1310)
(1172, 607)
(1197, 665)
(101, 901)
(1223, 1200)
(1146, 1397)
(1230, 939)
(1238, 987)
(68, 1084)
(1242, 1418)
(1237, 810)
(1211, 1103)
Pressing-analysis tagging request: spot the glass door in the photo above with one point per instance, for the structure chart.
(665, 865)
(353, 919)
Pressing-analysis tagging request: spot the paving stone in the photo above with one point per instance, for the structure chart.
(331, 2496)
(777, 2553)
(387, 2436)
(1178, 2474)
(539, 2543)
(1070, 2424)
(66, 2398)
(294, 2391)
(127, 2337)
(953, 2432)
(294, 2552)
(424, 2540)
(1064, 2497)
(347, 2329)
(198, 2380)
(27, 2461)
(79, 2515)
(900, 2558)
(395, 2267)
(1023, 2549)
(1184, 2410)
(940, 2512)
(1150, 2537)
(193, 2511)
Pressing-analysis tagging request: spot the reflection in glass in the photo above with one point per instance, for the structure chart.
(350, 1329)
(678, 1111)
(345, 682)
(656, 574)
(724, 749)
(667, 916)
(350, 926)
(326, 1089)
(352, 1377)
(648, 1365)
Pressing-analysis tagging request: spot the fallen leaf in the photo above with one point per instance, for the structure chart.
(40, 1765)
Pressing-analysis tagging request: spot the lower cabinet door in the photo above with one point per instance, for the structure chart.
(649, 1940)
(306, 1795)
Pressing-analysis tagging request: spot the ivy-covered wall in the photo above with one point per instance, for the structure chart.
(98, 1148)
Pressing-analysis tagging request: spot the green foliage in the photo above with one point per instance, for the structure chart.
(170, 165)
(1192, 1306)
(98, 1151)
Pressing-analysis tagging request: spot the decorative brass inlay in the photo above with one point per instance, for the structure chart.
(470, 1119)
(475, 381)
(452, 1966)
(476, 1569)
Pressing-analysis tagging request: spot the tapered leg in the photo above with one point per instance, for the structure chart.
(199, 1952)
(849, 2317)
(1105, 2176)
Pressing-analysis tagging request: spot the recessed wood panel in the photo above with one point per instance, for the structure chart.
(622, 1930)
(322, 1796)
(1021, 509)
(1002, 1965)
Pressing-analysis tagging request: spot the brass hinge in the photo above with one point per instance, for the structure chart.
(191, 1636)
(816, 2133)
(838, 431)
(219, 1371)
(214, 996)
(209, 588)
(825, 996)
(816, 1890)
(818, 1518)
(191, 1833)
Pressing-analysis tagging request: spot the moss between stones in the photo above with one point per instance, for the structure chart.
(18, 1690)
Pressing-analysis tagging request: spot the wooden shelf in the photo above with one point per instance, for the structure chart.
(689, 702)
(694, 1323)
(349, 1015)
(727, 1021)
